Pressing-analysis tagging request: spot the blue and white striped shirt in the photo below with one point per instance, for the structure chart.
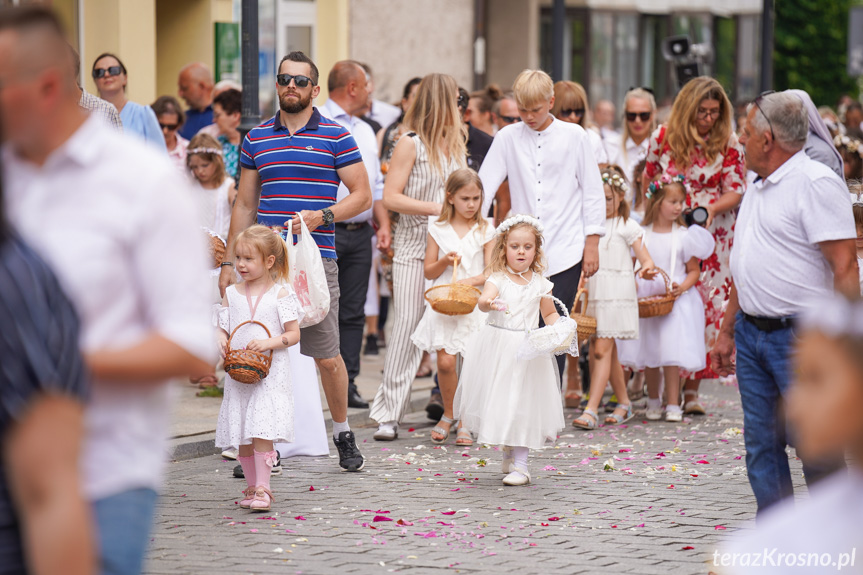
(299, 172)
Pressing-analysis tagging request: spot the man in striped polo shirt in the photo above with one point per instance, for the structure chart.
(291, 167)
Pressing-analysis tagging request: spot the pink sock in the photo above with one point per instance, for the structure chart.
(264, 462)
(248, 465)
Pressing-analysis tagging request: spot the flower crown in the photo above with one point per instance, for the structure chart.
(853, 145)
(663, 181)
(205, 151)
(615, 181)
(519, 219)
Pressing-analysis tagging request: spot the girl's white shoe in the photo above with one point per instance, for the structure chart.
(517, 477)
(654, 413)
(673, 414)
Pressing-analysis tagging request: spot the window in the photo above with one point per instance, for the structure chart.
(748, 57)
(654, 69)
(575, 37)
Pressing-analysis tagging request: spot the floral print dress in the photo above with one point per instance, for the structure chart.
(708, 182)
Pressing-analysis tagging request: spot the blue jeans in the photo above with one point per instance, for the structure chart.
(764, 378)
(123, 522)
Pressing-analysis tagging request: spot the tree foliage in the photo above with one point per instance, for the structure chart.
(811, 49)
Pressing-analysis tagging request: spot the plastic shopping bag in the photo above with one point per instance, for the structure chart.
(308, 278)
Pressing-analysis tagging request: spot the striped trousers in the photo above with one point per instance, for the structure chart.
(403, 357)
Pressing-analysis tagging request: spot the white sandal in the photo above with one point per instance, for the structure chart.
(441, 431)
(588, 424)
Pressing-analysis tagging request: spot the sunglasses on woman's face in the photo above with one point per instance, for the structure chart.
(510, 119)
(570, 111)
(169, 127)
(109, 71)
(300, 81)
(643, 116)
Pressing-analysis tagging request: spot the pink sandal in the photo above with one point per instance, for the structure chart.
(263, 499)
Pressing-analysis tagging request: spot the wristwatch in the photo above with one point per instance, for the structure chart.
(328, 216)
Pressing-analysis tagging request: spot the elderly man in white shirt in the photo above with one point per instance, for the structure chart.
(553, 176)
(348, 87)
(113, 219)
(794, 246)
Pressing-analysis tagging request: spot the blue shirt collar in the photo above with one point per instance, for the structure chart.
(312, 124)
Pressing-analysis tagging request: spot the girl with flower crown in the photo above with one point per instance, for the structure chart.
(675, 341)
(503, 400)
(613, 301)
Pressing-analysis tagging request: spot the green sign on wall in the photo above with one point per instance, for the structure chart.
(227, 51)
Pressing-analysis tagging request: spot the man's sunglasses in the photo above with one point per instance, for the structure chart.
(300, 81)
(169, 127)
(109, 71)
(644, 116)
(758, 105)
(570, 111)
(510, 119)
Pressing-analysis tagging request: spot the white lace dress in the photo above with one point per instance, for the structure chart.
(611, 290)
(503, 400)
(265, 409)
(452, 333)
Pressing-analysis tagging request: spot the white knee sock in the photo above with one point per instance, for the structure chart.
(339, 427)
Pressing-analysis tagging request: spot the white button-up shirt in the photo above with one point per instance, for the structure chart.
(368, 145)
(634, 154)
(115, 220)
(553, 176)
(776, 263)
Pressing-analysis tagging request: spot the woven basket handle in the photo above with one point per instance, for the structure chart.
(244, 323)
(455, 263)
(578, 295)
(667, 280)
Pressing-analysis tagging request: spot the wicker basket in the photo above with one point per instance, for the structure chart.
(245, 365)
(216, 249)
(586, 324)
(658, 305)
(453, 298)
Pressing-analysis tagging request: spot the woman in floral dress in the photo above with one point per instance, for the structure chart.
(699, 143)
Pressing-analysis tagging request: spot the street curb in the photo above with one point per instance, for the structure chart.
(203, 444)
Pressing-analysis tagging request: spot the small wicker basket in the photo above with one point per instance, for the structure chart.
(453, 298)
(245, 365)
(216, 249)
(658, 305)
(586, 324)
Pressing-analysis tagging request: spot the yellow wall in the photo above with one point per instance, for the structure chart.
(333, 40)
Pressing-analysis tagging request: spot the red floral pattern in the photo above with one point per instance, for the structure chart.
(707, 181)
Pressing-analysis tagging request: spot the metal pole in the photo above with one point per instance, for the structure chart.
(558, 18)
(767, 20)
(249, 52)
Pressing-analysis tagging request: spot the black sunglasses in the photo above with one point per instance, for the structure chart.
(644, 116)
(758, 105)
(170, 127)
(109, 71)
(509, 119)
(570, 111)
(300, 81)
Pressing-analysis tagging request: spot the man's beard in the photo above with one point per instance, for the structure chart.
(294, 106)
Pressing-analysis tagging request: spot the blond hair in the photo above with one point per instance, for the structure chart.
(497, 263)
(641, 94)
(207, 147)
(618, 187)
(268, 243)
(571, 95)
(435, 118)
(682, 135)
(457, 180)
(531, 88)
(652, 210)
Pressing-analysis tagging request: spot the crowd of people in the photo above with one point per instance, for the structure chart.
(528, 197)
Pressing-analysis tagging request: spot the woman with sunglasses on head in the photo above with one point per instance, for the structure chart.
(699, 143)
(170, 116)
(639, 121)
(570, 105)
(109, 74)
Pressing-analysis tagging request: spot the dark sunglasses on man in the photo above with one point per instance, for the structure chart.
(169, 127)
(643, 116)
(509, 119)
(300, 81)
(570, 111)
(109, 71)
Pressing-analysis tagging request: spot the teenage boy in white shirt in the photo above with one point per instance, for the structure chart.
(554, 177)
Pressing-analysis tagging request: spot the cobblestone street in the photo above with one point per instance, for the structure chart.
(640, 498)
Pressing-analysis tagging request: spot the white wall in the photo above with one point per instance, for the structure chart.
(401, 39)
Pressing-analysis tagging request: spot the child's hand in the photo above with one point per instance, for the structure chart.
(223, 345)
(451, 258)
(647, 273)
(676, 291)
(498, 304)
(258, 345)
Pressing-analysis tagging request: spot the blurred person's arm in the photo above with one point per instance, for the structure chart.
(56, 522)
(842, 257)
(154, 359)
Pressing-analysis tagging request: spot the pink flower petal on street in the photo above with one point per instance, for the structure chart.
(381, 518)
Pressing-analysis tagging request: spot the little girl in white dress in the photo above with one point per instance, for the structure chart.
(459, 237)
(674, 341)
(505, 401)
(255, 415)
(613, 301)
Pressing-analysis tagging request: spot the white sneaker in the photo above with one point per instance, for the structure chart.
(517, 477)
(654, 413)
(231, 453)
(387, 431)
(674, 415)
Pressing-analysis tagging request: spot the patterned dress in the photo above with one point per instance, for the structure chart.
(708, 182)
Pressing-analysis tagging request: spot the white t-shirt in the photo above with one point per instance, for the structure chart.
(116, 222)
(776, 262)
(634, 154)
